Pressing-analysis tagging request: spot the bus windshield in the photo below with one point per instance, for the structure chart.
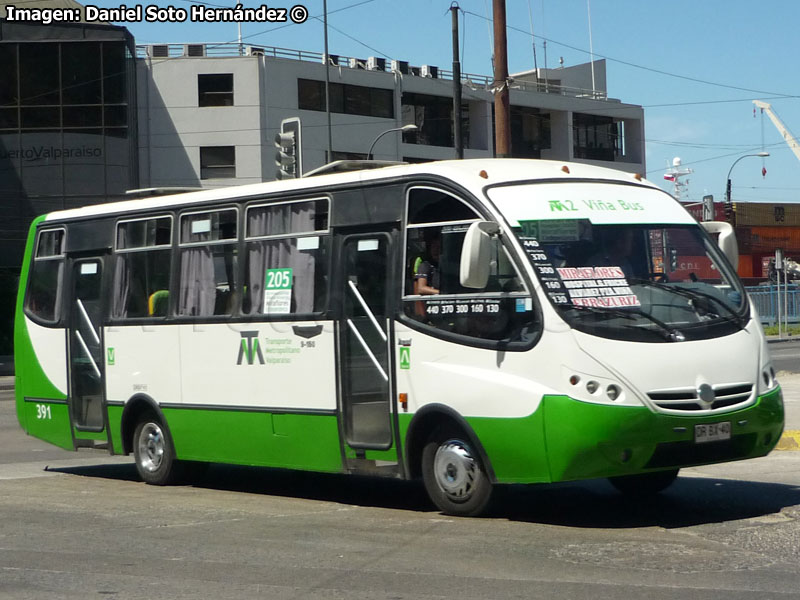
(632, 280)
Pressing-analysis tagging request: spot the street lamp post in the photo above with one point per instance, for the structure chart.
(728, 185)
(403, 128)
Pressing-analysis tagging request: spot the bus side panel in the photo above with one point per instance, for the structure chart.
(114, 412)
(142, 359)
(515, 447)
(296, 441)
(40, 368)
(499, 396)
(258, 393)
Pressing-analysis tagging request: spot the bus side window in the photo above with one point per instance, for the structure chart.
(142, 268)
(286, 258)
(208, 263)
(436, 225)
(43, 295)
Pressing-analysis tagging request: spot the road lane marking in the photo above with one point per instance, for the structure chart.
(790, 440)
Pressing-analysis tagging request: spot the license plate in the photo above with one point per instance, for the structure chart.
(712, 432)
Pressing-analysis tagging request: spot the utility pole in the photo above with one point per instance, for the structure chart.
(456, 85)
(502, 110)
(327, 80)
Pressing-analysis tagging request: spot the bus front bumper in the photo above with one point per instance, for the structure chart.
(588, 440)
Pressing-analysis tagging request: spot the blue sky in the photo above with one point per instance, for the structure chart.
(695, 66)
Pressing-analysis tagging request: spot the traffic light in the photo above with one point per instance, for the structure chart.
(285, 157)
(288, 157)
(728, 204)
(673, 259)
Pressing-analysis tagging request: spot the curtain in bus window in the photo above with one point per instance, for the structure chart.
(198, 291)
(286, 253)
(122, 286)
(141, 284)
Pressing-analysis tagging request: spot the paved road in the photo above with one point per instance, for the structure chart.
(786, 356)
(80, 525)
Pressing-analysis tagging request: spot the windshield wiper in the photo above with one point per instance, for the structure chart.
(667, 332)
(694, 296)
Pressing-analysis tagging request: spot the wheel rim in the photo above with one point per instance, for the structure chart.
(455, 470)
(151, 447)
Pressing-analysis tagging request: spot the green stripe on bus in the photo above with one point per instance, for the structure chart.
(295, 441)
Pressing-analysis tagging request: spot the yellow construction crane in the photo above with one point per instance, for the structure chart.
(787, 136)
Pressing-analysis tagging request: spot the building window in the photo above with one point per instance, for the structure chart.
(433, 116)
(530, 132)
(346, 99)
(215, 90)
(338, 155)
(217, 162)
(596, 137)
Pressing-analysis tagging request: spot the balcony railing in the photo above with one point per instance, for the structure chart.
(226, 49)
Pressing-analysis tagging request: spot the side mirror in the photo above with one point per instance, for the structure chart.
(726, 241)
(476, 254)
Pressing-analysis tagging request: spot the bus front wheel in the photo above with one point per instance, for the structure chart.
(154, 453)
(454, 476)
(645, 484)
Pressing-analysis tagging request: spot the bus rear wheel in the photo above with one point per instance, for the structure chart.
(454, 477)
(154, 453)
(646, 484)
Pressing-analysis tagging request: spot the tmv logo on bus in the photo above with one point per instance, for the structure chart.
(249, 348)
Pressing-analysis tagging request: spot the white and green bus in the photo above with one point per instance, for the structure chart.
(575, 322)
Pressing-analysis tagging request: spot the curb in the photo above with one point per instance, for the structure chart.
(778, 340)
(790, 440)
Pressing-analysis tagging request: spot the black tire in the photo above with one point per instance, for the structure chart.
(154, 453)
(454, 476)
(646, 484)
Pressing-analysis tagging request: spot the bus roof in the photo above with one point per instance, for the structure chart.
(472, 174)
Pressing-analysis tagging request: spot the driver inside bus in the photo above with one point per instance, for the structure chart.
(426, 268)
(615, 250)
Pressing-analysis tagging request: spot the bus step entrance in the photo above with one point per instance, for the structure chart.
(91, 444)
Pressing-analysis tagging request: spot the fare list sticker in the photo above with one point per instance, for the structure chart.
(547, 272)
(603, 287)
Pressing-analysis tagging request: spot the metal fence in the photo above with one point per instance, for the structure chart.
(765, 297)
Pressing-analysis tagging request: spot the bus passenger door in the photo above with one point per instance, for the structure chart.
(86, 359)
(364, 343)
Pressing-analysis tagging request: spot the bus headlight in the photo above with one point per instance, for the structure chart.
(598, 389)
(769, 380)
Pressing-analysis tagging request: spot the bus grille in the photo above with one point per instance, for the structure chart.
(686, 399)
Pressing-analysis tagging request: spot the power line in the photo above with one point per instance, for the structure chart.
(637, 66)
(728, 155)
(317, 17)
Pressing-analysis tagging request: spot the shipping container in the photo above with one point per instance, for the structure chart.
(767, 214)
